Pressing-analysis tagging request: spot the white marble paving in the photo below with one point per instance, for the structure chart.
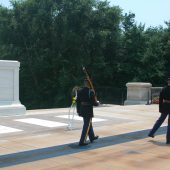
(41, 122)
(6, 129)
(80, 118)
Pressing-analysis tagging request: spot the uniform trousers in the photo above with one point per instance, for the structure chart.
(158, 123)
(87, 130)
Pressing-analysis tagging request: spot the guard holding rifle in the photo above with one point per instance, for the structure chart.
(86, 99)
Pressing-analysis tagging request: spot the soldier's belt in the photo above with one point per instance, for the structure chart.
(85, 104)
(166, 101)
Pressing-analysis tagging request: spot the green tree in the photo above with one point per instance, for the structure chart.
(166, 49)
(132, 50)
(153, 60)
(53, 39)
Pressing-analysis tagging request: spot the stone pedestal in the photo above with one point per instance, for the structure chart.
(9, 88)
(138, 93)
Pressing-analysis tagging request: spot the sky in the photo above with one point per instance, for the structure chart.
(149, 12)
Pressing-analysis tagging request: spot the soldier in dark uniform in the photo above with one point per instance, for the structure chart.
(85, 102)
(164, 109)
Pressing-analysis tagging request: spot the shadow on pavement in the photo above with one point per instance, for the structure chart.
(67, 149)
(159, 143)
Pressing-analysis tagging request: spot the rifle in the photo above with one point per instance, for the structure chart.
(90, 82)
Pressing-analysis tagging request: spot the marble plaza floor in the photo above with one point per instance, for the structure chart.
(41, 140)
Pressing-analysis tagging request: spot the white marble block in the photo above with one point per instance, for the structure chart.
(9, 88)
(138, 93)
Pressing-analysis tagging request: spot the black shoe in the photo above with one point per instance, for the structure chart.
(83, 144)
(95, 138)
(152, 136)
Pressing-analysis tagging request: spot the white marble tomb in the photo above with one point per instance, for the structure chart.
(9, 88)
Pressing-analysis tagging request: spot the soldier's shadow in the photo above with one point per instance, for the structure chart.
(159, 143)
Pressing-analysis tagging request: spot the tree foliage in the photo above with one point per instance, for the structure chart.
(53, 38)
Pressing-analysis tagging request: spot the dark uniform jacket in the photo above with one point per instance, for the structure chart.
(85, 102)
(164, 100)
